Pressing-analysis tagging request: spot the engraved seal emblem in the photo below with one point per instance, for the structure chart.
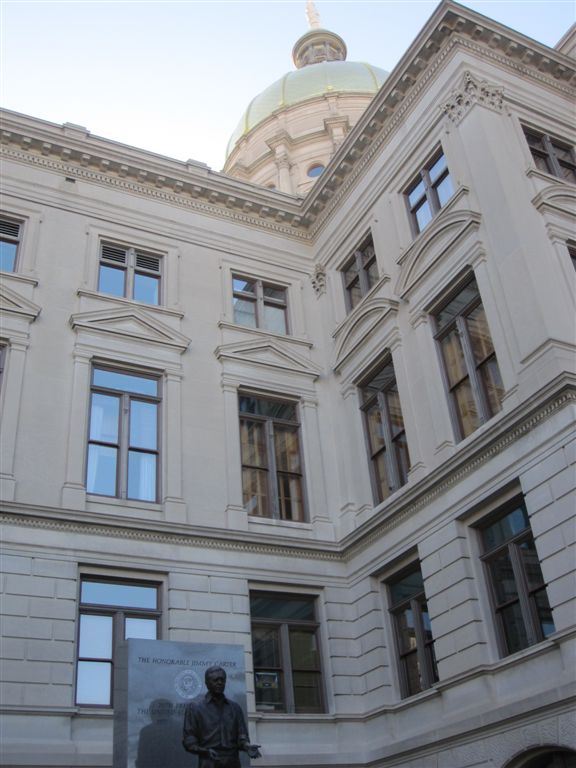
(187, 684)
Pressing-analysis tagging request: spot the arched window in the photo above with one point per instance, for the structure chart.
(545, 757)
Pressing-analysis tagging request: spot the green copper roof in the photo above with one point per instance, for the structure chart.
(311, 81)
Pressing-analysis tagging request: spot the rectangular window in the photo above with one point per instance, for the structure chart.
(360, 273)
(123, 455)
(110, 611)
(517, 588)
(472, 373)
(552, 155)
(286, 653)
(272, 479)
(10, 232)
(258, 304)
(429, 192)
(387, 444)
(413, 631)
(130, 273)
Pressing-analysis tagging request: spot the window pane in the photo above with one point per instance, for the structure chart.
(453, 358)
(143, 629)
(375, 429)
(381, 476)
(253, 442)
(269, 689)
(266, 647)
(274, 409)
(304, 649)
(466, 408)
(101, 476)
(104, 416)
(514, 629)
(492, 382)
(95, 637)
(242, 285)
(274, 319)
(125, 382)
(93, 682)
(7, 256)
(503, 579)
(143, 425)
(480, 338)
(413, 678)
(456, 306)
(445, 190)
(372, 273)
(281, 608)
(406, 630)
(394, 411)
(307, 692)
(437, 169)
(245, 312)
(273, 292)
(127, 595)
(255, 492)
(111, 280)
(544, 613)
(287, 449)
(416, 194)
(402, 457)
(141, 476)
(423, 215)
(290, 498)
(146, 288)
(406, 587)
(505, 528)
(531, 564)
(354, 294)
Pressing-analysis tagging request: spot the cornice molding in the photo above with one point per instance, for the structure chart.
(269, 353)
(12, 303)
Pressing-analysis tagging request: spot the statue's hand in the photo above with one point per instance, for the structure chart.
(212, 754)
(253, 750)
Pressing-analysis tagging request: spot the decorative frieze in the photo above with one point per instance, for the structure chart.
(318, 279)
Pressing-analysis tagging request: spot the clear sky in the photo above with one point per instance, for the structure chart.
(174, 77)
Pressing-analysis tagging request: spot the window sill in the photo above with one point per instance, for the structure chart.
(107, 297)
(128, 504)
(19, 277)
(274, 522)
(227, 325)
(533, 172)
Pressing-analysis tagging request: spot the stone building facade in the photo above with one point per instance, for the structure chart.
(335, 429)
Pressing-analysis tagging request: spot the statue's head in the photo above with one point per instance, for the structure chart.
(215, 679)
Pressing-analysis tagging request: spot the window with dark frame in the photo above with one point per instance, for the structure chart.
(259, 304)
(272, 476)
(429, 192)
(414, 641)
(123, 453)
(10, 233)
(110, 611)
(552, 155)
(572, 253)
(360, 273)
(2, 362)
(517, 589)
(471, 370)
(129, 273)
(387, 445)
(286, 653)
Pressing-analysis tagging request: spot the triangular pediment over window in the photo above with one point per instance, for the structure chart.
(133, 324)
(268, 353)
(13, 304)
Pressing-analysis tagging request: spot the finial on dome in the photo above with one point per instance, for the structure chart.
(313, 15)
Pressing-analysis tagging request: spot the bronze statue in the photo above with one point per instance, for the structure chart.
(214, 726)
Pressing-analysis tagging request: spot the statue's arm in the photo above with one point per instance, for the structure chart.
(189, 734)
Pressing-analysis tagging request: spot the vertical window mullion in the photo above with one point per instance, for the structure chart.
(130, 267)
(259, 304)
(287, 666)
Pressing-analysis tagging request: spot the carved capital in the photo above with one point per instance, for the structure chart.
(471, 92)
